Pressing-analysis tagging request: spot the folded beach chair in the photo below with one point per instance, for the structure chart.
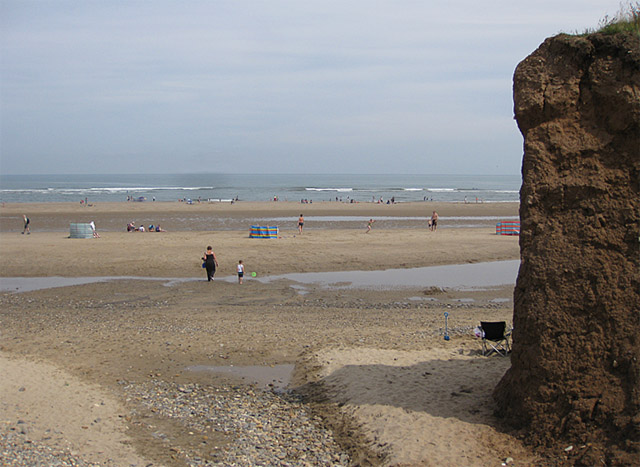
(495, 338)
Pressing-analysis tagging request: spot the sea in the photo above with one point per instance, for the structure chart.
(258, 187)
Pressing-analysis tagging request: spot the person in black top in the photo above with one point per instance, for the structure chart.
(210, 262)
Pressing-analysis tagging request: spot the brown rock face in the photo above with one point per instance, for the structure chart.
(575, 375)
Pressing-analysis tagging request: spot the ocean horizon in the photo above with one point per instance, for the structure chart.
(258, 187)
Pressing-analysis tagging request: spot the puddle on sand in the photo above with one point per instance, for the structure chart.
(302, 290)
(276, 377)
(29, 284)
(454, 276)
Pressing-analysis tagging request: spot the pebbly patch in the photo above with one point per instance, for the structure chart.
(259, 427)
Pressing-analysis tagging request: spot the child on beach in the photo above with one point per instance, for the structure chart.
(240, 271)
(369, 224)
(300, 223)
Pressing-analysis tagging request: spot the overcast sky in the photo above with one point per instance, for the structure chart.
(269, 86)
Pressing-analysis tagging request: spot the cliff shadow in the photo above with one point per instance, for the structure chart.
(459, 388)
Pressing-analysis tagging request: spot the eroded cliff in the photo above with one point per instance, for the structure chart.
(575, 375)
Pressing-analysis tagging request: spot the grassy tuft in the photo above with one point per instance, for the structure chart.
(626, 20)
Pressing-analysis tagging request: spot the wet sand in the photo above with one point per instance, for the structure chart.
(374, 377)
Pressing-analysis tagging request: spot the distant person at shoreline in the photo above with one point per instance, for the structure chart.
(210, 262)
(240, 269)
(369, 225)
(300, 223)
(433, 223)
(26, 224)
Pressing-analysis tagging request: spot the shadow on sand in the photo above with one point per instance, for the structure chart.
(457, 388)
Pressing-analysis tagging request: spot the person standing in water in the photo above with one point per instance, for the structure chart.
(210, 262)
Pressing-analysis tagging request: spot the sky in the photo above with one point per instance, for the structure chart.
(272, 86)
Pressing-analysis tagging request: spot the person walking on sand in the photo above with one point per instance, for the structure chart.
(433, 225)
(93, 229)
(369, 225)
(240, 271)
(210, 262)
(26, 225)
(300, 223)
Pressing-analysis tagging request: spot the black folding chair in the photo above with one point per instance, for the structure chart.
(495, 338)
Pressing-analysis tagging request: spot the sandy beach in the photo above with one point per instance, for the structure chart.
(136, 366)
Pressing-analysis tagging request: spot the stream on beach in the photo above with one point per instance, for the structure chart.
(471, 276)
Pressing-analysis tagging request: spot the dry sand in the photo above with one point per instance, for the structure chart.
(324, 246)
(372, 363)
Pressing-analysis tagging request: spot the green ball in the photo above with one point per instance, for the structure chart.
(253, 274)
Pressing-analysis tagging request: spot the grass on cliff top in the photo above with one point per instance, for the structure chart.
(626, 20)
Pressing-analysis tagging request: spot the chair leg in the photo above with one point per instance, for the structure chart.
(501, 348)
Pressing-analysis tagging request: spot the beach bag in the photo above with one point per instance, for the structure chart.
(204, 265)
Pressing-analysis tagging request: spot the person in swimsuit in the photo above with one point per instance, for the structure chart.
(369, 225)
(300, 223)
(434, 222)
(210, 262)
(26, 225)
